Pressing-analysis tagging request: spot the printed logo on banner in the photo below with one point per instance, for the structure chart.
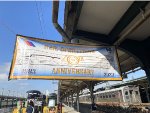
(72, 59)
(29, 43)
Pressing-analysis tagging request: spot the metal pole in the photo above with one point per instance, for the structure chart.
(91, 87)
(78, 100)
(147, 93)
(55, 22)
(1, 98)
(2, 91)
(8, 97)
(68, 100)
(58, 93)
(8, 92)
(13, 99)
(147, 71)
(71, 99)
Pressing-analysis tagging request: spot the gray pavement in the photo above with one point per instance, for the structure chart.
(68, 109)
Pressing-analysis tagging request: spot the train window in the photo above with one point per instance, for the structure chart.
(103, 96)
(106, 96)
(131, 91)
(109, 96)
(136, 92)
(113, 95)
(126, 93)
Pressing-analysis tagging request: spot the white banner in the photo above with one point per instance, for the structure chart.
(42, 59)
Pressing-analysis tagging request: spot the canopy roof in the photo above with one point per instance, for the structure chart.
(120, 23)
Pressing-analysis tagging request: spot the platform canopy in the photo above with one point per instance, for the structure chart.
(142, 81)
(125, 24)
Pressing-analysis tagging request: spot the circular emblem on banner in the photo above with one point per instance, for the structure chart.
(73, 60)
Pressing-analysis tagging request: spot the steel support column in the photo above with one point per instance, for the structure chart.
(0, 102)
(71, 99)
(58, 93)
(68, 100)
(91, 88)
(78, 99)
(147, 71)
(12, 102)
(147, 93)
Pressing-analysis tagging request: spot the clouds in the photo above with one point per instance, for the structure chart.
(5, 67)
(20, 86)
(23, 84)
(3, 76)
(4, 71)
(12, 85)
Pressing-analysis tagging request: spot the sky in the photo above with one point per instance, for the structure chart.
(32, 19)
(29, 19)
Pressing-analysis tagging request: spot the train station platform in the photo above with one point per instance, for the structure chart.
(67, 109)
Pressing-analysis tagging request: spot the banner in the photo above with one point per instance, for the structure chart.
(43, 59)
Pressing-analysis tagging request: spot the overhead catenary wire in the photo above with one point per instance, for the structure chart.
(7, 27)
(40, 19)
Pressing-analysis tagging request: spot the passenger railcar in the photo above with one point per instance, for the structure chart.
(125, 94)
(36, 96)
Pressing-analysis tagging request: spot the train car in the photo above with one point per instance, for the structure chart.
(38, 99)
(36, 96)
(125, 94)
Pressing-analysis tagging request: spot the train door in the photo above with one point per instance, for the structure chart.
(120, 96)
(134, 94)
(131, 95)
(126, 95)
(137, 95)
